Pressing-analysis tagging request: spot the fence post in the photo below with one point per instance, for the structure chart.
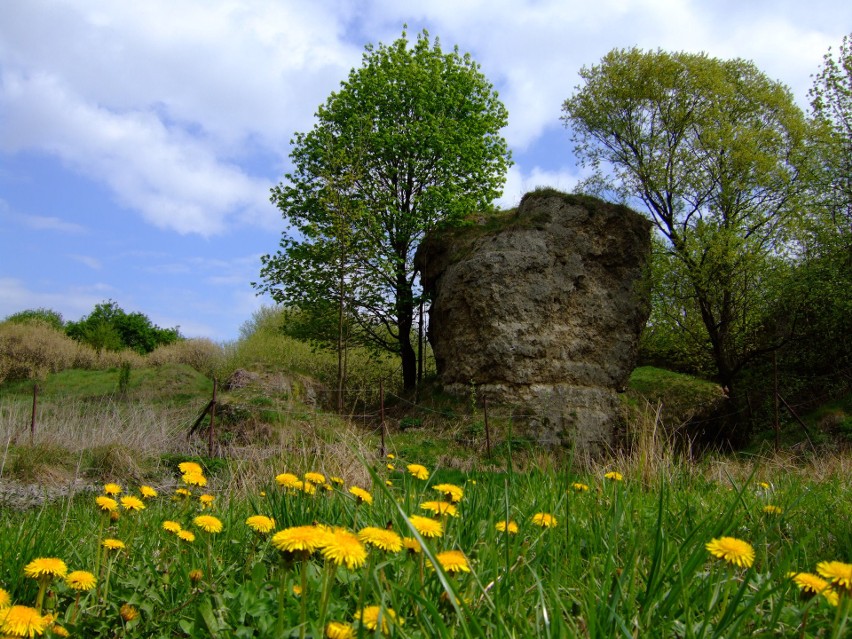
(382, 409)
(487, 430)
(33, 418)
(212, 430)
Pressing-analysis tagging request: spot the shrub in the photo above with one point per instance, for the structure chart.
(203, 355)
(34, 349)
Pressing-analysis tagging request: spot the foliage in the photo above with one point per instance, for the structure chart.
(409, 142)
(202, 354)
(714, 150)
(109, 327)
(48, 316)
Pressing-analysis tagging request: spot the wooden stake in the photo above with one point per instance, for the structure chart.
(33, 418)
(212, 430)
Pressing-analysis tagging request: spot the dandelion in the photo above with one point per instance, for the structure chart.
(450, 492)
(5, 599)
(80, 580)
(113, 544)
(545, 520)
(196, 575)
(388, 482)
(381, 538)
(46, 567)
(452, 561)
(427, 527)
(837, 572)
(315, 478)
(172, 526)
(391, 456)
(208, 523)
(287, 480)
(764, 485)
(411, 545)
(261, 523)
(580, 488)
(307, 487)
(361, 495)
(22, 621)
(343, 548)
(59, 631)
(128, 612)
(614, 475)
(734, 551)
(206, 500)
(372, 616)
(106, 504)
(417, 471)
(194, 479)
(147, 492)
(773, 510)
(186, 535)
(132, 503)
(337, 480)
(190, 467)
(305, 539)
(183, 492)
(440, 508)
(338, 630)
(507, 526)
(391, 467)
(112, 489)
(812, 585)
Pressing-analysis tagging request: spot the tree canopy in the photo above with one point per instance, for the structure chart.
(109, 327)
(409, 142)
(713, 150)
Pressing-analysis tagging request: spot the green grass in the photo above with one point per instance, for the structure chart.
(622, 561)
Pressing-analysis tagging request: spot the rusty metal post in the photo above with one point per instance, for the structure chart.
(382, 409)
(487, 430)
(33, 418)
(211, 432)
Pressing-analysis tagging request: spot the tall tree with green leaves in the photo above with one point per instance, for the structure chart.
(411, 141)
(713, 150)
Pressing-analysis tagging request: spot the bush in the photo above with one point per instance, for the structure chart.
(32, 350)
(203, 355)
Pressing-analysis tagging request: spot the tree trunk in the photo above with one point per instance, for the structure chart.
(404, 324)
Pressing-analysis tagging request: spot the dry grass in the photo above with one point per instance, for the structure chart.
(203, 355)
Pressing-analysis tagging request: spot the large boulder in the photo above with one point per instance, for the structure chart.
(541, 308)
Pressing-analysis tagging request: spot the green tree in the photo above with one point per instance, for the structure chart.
(109, 327)
(45, 315)
(713, 149)
(409, 142)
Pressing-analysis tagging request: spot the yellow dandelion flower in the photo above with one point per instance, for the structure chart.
(46, 567)
(112, 489)
(208, 523)
(450, 491)
(106, 504)
(172, 526)
(287, 480)
(80, 580)
(837, 572)
(338, 630)
(813, 585)
(580, 488)
(206, 500)
(773, 510)
(59, 631)
(381, 538)
(391, 456)
(614, 475)
(300, 539)
(372, 616)
(545, 520)
(5, 599)
(426, 526)
(132, 503)
(113, 544)
(507, 526)
(183, 492)
(343, 548)
(734, 551)
(417, 471)
(261, 523)
(147, 492)
(297, 590)
(194, 479)
(361, 495)
(128, 612)
(764, 485)
(337, 480)
(411, 545)
(186, 535)
(391, 467)
(440, 508)
(315, 478)
(308, 488)
(452, 561)
(190, 467)
(327, 488)
(22, 621)
(196, 575)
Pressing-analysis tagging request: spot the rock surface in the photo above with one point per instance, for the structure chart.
(542, 309)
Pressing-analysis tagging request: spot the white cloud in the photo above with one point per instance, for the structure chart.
(72, 302)
(91, 262)
(519, 183)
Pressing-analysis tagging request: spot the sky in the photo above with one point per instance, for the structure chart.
(139, 140)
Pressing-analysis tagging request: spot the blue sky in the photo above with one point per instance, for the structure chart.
(139, 140)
